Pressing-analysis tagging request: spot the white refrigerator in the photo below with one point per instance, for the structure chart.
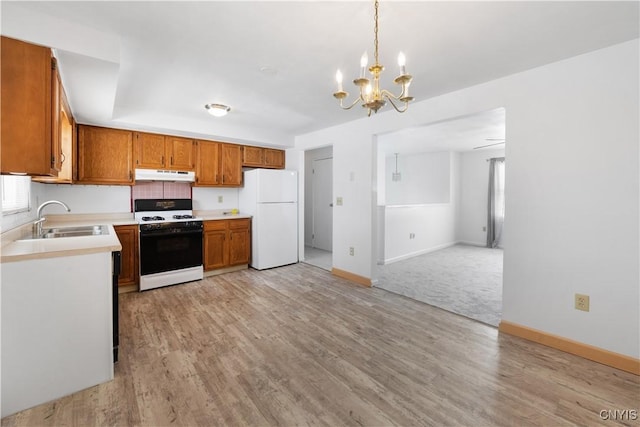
(271, 197)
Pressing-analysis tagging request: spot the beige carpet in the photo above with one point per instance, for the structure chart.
(463, 279)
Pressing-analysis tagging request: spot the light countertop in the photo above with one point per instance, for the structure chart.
(16, 245)
(20, 250)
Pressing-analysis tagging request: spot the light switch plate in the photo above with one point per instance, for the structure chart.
(339, 201)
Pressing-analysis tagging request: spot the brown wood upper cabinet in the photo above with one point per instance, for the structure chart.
(218, 164)
(208, 164)
(154, 151)
(26, 113)
(105, 156)
(64, 142)
(258, 157)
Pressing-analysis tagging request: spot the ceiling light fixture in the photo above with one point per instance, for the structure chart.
(217, 110)
(372, 97)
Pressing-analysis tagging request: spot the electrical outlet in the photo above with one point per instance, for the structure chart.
(412, 235)
(351, 251)
(220, 198)
(582, 302)
(339, 201)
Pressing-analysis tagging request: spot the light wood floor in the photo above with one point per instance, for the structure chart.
(297, 346)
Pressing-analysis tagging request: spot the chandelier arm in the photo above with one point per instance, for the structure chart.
(350, 106)
(406, 105)
(391, 96)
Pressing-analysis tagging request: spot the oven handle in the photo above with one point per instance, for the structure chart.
(161, 234)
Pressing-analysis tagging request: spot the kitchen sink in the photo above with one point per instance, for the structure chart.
(58, 232)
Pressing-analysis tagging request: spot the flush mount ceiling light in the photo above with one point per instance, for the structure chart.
(372, 97)
(217, 110)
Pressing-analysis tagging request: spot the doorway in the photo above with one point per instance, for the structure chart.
(439, 245)
(319, 208)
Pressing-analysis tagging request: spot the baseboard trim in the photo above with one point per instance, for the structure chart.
(361, 280)
(606, 357)
(127, 288)
(417, 253)
(226, 270)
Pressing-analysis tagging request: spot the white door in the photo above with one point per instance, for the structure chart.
(322, 204)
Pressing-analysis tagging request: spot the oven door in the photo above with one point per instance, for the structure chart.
(170, 250)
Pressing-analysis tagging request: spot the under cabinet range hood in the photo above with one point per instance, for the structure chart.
(164, 175)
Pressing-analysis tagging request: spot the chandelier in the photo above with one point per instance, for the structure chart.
(372, 97)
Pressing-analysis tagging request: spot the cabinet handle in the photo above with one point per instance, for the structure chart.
(130, 176)
(162, 160)
(171, 160)
(216, 178)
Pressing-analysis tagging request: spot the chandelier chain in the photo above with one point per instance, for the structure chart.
(375, 34)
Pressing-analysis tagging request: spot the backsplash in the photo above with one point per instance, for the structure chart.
(161, 190)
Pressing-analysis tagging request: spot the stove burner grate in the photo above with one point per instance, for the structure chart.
(153, 218)
(183, 217)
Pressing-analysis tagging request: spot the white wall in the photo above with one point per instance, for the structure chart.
(206, 198)
(572, 193)
(425, 178)
(414, 229)
(474, 189)
(89, 199)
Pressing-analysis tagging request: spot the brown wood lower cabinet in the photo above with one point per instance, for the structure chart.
(128, 236)
(227, 243)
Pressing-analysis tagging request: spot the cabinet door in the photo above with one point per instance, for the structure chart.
(56, 140)
(252, 156)
(128, 236)
(25, 110)
(273, 158)
(231, 165)
(181, 153)
(208, 163)
(216, 246)
(149, 150)
(105, 156)
(239, 241)
(63, 150)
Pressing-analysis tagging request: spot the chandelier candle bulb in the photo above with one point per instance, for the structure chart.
(364, 60)
(339, 80)
(402, 61)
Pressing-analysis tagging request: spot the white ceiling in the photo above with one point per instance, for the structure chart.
(477, 132)
(154, 65)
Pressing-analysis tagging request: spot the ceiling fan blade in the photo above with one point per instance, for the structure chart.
(488, 145)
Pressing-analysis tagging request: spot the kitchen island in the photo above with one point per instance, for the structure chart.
(57, 331)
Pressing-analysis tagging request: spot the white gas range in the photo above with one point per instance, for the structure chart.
(170, 242)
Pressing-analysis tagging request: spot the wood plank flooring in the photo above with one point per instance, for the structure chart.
(297, 346)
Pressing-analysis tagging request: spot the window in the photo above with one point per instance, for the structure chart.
(16, 192)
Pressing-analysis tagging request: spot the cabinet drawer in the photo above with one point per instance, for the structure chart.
(215, 225)
(241, 223)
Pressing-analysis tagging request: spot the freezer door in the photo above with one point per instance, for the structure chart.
(277, 186)
(274, 235)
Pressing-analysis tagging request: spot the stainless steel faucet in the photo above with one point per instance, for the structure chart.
(37, 224)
